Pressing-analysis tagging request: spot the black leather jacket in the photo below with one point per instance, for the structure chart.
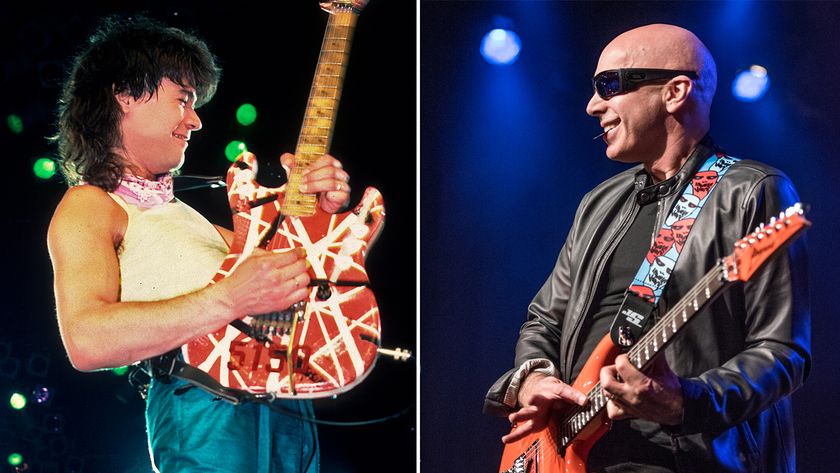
(739, 359)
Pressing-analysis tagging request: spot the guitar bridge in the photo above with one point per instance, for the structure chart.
(265, 326)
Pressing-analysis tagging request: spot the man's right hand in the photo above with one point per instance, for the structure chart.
(267, 282)
(100, 330)
(539, 395)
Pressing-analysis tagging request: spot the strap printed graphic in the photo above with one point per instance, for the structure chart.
(660, 260)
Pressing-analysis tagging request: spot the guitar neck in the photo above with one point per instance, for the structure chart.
(644, 351)
(321, 108)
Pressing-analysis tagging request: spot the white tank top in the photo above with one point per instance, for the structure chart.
(167, 251)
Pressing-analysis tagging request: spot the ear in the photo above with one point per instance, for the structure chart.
(125, 101)
(676, 93)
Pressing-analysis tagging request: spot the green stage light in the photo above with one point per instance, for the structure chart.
(15, 459)
(120, 371)
(17, 401)
(44, 168)
(15, 123)
(246, 114)
(234, 149)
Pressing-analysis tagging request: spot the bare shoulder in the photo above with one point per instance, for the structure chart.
(86, 212)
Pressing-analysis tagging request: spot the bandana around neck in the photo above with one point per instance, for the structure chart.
(145, 193)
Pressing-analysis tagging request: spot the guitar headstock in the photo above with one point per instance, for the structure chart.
(757, 247)
(333, 5)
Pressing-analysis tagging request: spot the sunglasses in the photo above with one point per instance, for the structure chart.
(619, 81)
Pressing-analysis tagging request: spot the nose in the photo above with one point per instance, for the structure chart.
(191, 119)
(595, 106)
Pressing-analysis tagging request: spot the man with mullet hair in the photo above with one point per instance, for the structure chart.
(132, 264)
(719, 398)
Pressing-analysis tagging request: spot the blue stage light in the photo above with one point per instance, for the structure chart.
(500, 47)
(751, 85)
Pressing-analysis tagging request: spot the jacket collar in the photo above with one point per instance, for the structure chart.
(647, 191)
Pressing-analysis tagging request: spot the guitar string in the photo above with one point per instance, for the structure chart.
(569, 430)
(596, 394)
(659, 329)
(331, 35)
(671, 316)
(530, 452)
(337, 34)
(334, 34)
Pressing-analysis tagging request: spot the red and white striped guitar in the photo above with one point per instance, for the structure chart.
(563, 445)
(327, 343)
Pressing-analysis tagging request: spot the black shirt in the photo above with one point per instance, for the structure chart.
(631, 445)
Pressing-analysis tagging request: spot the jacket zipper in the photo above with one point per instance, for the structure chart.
(616, 237)
(622, 230)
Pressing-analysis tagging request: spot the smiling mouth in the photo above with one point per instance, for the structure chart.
(606, 130)
(180, 137)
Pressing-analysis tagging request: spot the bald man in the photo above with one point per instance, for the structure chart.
(719, 398)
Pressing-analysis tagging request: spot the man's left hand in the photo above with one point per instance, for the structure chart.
(324, 177)
(655, 396)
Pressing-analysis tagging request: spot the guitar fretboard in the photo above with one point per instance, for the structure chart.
(645, 350)
(319, 118)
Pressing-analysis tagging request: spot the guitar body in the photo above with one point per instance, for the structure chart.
(327, 343)
(539, 452)
(331, 344)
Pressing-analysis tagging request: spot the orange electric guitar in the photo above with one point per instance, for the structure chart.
(563, 445)
(329, 342)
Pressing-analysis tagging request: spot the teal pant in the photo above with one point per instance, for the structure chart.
(191, 432)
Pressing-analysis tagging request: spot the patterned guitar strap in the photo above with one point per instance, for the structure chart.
(643, 294)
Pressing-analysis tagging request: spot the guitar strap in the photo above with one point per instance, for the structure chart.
(656, 268)
(170, 365)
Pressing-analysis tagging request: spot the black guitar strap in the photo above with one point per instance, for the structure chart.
(170, 365)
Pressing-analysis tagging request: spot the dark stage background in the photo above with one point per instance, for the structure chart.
(507, 153)
(268, 52)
